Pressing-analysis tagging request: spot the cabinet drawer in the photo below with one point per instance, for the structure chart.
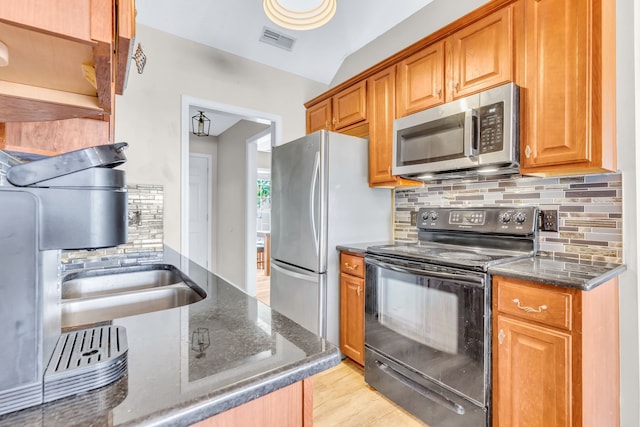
(545, 304)
(352, 264)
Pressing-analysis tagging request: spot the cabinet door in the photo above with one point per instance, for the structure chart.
(420, 80)
(481, 54)
(533, 387)
(352, 317)
(350, 106)
(381, 116)
(319, 116)
(568, 74)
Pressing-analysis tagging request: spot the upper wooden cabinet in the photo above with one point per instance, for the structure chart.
(420, 80)
(566, 70)
(67, 60)
(481, 55)
(319, 116)
(474, 58)
(381, 102)
(381, 114)
(344, 110)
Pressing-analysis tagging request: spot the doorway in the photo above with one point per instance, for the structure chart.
(200, 229)
(241, 272)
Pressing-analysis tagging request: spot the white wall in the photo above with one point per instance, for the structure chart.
(628, 126)
(148, 115)
(232, 206)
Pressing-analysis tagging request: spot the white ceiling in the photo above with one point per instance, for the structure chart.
(236, 26)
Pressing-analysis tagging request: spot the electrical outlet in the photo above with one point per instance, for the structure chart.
(548, 220)
(414, 217)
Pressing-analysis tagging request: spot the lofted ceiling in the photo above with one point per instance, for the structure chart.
(236, 26)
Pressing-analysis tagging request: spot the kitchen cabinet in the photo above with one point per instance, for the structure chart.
(420, 80)
(67, 60)
(381, 101)
(474, 58)
(481, 55)
(342, 112)
(555, 355)
(352, 306)
(566, 69)
(289, 406)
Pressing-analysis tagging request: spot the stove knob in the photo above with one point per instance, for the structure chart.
(505, 217)
(434, 215)
(520, 217)
(425, 216)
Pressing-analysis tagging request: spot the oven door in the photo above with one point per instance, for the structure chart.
(433, 320)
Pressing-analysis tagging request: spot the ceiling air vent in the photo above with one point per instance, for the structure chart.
(274, 38)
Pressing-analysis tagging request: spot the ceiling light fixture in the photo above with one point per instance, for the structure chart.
(200, 124)
(300, 14)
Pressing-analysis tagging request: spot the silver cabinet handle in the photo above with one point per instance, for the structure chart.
(528, 309)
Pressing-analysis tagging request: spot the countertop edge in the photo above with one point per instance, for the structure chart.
(583, 285)
(239, 393)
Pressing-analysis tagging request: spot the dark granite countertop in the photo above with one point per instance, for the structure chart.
(170, 381)
(361, 248)
(564, 272)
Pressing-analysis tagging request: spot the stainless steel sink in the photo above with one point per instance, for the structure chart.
(100, 295)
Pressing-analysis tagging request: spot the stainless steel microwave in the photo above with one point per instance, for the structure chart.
(474, 135)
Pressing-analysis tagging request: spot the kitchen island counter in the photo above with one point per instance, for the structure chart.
(564, 272)
(190, 363)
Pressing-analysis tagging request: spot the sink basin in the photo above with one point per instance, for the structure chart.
(95, 296)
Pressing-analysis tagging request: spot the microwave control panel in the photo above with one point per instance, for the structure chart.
(491, 123)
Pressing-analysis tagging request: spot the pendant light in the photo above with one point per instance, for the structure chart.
(200, 124)
(300, 14)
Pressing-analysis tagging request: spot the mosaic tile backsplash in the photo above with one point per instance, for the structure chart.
(589, 208)
(144, 238)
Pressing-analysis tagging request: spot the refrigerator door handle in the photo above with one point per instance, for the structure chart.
(312, 199)
(290, 270)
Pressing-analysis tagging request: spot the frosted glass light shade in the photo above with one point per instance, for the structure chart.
(300, 14)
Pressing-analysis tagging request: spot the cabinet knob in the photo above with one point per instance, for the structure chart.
(439, 93)
(528, 309)
(501, 336)
(457, 86)
(358, 290)
(527, 152)
(334, 121)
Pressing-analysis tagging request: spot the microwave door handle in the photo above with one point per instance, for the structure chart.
(471, 133)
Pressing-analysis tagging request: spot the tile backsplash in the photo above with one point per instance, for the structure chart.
(6, 161)
(589, 207)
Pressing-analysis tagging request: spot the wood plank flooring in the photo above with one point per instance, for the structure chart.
(342, 398)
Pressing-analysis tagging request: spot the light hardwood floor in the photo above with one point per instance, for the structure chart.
(340, 395)
(342, 398)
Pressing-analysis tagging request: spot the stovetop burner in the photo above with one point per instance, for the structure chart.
(472, 238)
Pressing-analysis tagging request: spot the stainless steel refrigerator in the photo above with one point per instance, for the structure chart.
(320, 198)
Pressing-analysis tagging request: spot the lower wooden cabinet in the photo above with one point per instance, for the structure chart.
(555, 355)
(352, 306)
(289, 406)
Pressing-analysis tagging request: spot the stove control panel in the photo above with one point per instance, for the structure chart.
(520, 220)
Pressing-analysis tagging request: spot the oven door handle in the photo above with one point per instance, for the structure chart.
(422, 390)
(460, 278)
